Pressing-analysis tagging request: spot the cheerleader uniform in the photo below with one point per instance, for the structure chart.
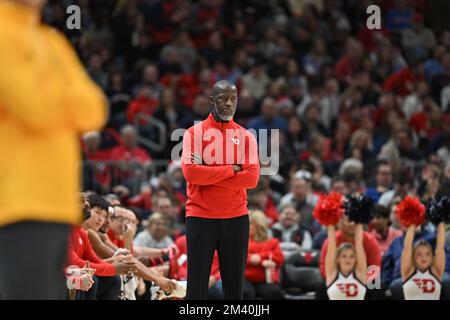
(422, 286)
(346, 288)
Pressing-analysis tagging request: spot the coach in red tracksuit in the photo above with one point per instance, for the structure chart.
(219, 162)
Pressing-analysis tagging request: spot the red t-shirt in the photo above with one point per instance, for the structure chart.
(80, 251)
(371, 247)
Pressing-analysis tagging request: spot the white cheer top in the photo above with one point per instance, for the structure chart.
(346, 288)
(422, 286)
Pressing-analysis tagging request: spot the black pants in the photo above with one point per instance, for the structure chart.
(265, 291)
(104, 288)
(32, 258)
(230, 238)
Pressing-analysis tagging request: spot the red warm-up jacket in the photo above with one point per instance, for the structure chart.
(80, 251)
(269, 249)
(214, 190)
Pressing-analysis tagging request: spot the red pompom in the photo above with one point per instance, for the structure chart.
(410, 211)
(329, 209)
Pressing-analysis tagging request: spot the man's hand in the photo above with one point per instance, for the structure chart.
(196, 158)
(130, 231)
(255, 259)
(125, 266)
(166, 285)
(162, 269)
(173, 248)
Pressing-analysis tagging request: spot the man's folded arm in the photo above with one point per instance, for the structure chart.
(249, 176)
(200, 174)
(246, 179)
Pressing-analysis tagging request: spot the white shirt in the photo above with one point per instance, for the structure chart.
(346, 288)
(422, 286)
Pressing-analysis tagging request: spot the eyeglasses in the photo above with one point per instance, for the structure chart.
(122, 219)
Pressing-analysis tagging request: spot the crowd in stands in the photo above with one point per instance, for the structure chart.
(359, 111)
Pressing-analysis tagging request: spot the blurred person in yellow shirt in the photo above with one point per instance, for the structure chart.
(46, 101)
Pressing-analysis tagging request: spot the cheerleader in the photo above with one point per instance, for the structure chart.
(345, 267)
(421, 270)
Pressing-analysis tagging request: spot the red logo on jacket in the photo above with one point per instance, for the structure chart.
(426, 285)
(349, 289)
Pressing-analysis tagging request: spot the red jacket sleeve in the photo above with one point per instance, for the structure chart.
(199, 174)
(372, 249)
(249, 176)
(277, 254)
(101, 267)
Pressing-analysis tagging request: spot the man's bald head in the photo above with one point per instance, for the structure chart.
(222, 85)
(224, 100)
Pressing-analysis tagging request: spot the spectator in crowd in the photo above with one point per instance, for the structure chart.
(418, 41)
(129, 150)
(256, 80)
(269, 118)
(383, 180)
(145, 103)
(122, 231)
(382, 230)
(302, 197)
(166, 207)
(402, 187)
(92, 152)
(290, 232)
(155, 236)
(130, 158)
(264, 261)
